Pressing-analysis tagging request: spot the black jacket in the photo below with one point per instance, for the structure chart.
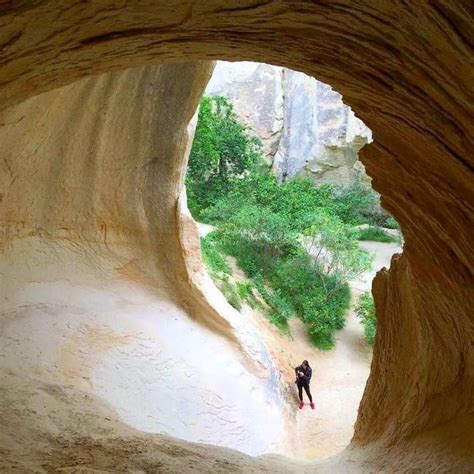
(307, 374)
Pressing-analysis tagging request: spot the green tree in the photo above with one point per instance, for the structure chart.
(365, 310)
(223, 151)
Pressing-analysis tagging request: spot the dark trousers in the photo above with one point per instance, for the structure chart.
(304, 385)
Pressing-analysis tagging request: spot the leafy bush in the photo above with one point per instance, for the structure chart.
(391, 223)
(376, 234)
(321, 300)
(245, 291)
(213, 259)
(358, 204)
(365, 310)
(231, 295)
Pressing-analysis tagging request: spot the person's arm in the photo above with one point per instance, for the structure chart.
(308, 374)
(297, 369)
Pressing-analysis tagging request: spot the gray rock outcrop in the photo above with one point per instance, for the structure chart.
(256, 92)
(304, 126)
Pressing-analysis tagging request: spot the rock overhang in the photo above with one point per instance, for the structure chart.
(420, 162)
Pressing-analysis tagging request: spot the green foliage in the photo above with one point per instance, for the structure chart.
(288, 278)
(293, 240)
(265, 232)
(321, 300)
(365, 310)
(280, 309)
(245, 291)
(376, 234)
(334, 247)
(391, 223)
(222, 151)
(231, 295)
(213, 259)
(358, 204)
(355, 203)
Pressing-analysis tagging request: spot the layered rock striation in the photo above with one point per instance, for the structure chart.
(303, 124)
(405, 68)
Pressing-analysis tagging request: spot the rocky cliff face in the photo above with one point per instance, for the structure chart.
(304, 126)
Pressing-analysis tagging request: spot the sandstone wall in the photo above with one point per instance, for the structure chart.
(87, 185)
(304, 126)
(406, 70)
(104, 291)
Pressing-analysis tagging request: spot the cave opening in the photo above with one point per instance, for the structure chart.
(292, 235)
(233, 384)
(92, 246)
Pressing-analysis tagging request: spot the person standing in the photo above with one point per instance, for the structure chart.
(303, 376)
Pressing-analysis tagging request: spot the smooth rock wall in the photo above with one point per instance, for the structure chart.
(104, 290)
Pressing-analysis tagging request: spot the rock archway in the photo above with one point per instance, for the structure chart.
(405, 70)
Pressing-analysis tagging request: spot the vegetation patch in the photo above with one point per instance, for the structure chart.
(247, 293)
(231, 295)
(294, 240)
(365, 310)
(376, 234)
(214, 260)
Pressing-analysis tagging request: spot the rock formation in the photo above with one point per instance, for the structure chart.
(256, 92)
(304, 126)
(89, 156)
(405, 68)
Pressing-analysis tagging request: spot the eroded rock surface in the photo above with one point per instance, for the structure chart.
(81, 305)
(304, 126)
(404, 68)
(256, 92)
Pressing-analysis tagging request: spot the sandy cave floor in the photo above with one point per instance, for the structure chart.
(108, 336)
(88, 372)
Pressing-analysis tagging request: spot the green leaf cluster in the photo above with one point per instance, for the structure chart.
(365, 310)
(223, 150)
(213, 258)
(295, 241)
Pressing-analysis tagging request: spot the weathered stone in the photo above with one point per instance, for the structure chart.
(404, 68)
(257, 95)
(321, 136)
(303, 124)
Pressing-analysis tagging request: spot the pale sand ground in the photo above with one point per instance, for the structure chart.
(137, 350)
(87, 366)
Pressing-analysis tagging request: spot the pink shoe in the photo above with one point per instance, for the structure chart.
(311, 405)
(301, 405)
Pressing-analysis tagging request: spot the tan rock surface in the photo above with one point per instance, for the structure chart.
(404, 68)
(81, 303)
